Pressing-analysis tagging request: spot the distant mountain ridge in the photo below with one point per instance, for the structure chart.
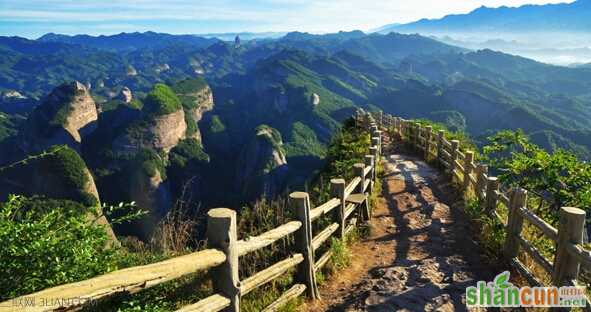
(563, 17)
(129, 41)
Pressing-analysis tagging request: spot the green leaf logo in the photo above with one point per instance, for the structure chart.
(502, 280)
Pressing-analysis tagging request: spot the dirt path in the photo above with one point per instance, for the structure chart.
(419, 256)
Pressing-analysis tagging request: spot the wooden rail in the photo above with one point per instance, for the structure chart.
(569, 256)
(223, 256)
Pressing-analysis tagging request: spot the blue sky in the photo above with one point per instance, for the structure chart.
(33, 18)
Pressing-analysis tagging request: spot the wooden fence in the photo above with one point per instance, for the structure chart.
(348, 205)
(569, 256)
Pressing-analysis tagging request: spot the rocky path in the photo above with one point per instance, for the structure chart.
(419, 256)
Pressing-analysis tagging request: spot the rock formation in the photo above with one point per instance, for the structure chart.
(152, 194)
(66, 116)
(167, 130)
(262, 168)
(13, 94)
(162, 68)
(198, 99)
(204, 103)
(237, 42)
(315, 99)
(131, 71)
(126, 96)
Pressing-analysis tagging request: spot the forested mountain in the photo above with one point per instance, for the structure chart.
(186, 116)
(130, 41)
(558, 18)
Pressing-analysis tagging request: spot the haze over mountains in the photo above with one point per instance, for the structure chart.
(553, 33)
(168, 112)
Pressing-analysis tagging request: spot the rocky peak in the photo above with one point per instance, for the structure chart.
(262, 168)
(131, 71)
(125, 95)
(66, 116)
(315, 99)
(161, 127)
(162, 68)
(13, 94)
(198, 99)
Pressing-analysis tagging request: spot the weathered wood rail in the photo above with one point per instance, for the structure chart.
(570, 254)
(349, 203)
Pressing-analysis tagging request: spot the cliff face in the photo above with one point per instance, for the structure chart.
(167, 130)
(66, 116)
(262, 168)
(151, 193)
(197, 99)
(203, 104)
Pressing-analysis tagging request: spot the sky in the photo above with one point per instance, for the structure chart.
(33, 18)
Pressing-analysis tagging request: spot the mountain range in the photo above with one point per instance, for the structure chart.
(551, 33)
(556, 18)
(228, 122)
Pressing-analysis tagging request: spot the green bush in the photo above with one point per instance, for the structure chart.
(190, 85)
(186, 151)
(151, 163)
(217, 125)
(162, 100)
(45, 242)
(559, 177)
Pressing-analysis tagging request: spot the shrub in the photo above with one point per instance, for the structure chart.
(45, 242)
(217, 125)
(187, 150)
(162, 100)
(560, 178)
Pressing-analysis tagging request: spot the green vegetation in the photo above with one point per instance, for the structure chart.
(191, 125)
(151, 163)
(349, 146)
(187, 150)
(559, 177)
(162, 100)
(7, 126)
(303, 141)
(65, 164)
(217, 125)
(49, 242)
(271, 136)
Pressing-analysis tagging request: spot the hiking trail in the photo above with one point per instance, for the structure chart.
(419, 255)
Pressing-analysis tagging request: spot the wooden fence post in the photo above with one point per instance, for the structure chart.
(370, 162)
(480, 181)
(374, 151)
(468, 169)
(492, 187)
(358, 170)
(379, 136)
(300, 202)
(440, 137)
(570, 231)
(428, 131)
(337, 189)
(455, 147)
(221, 234)
(417, 135)
(518, 200)
(375, 142)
